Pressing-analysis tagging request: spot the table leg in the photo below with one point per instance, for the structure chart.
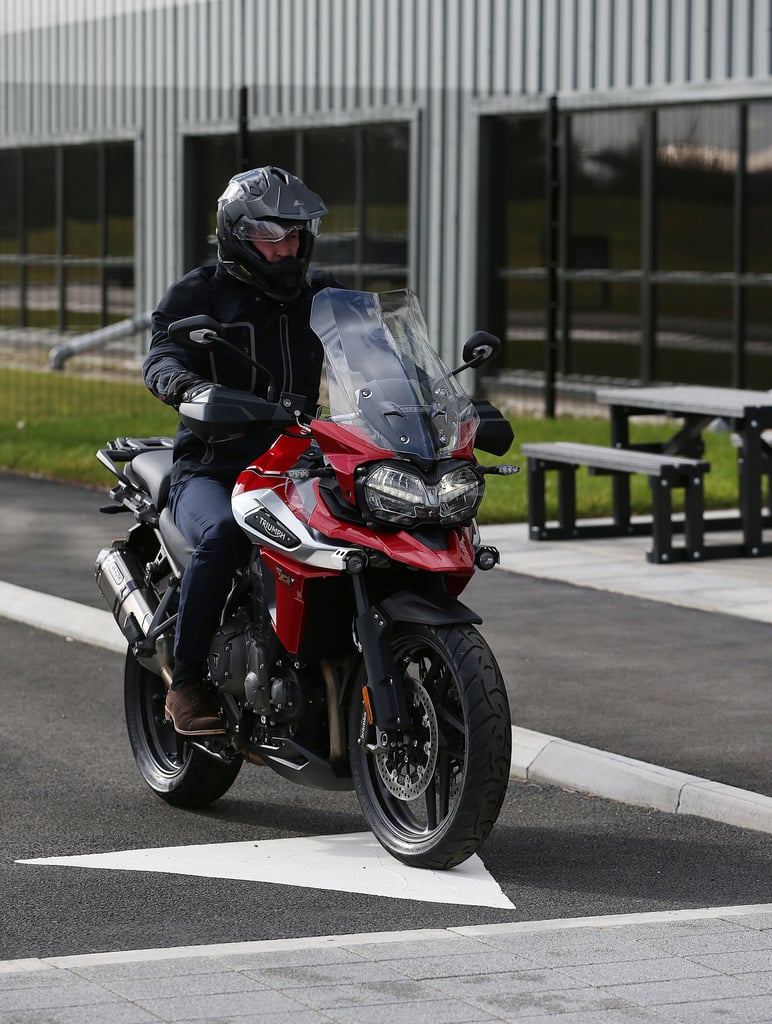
(620, 482)
(749, 479)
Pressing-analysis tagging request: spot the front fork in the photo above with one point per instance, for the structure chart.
(383, 694)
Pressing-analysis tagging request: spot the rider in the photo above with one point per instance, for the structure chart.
(260, 291)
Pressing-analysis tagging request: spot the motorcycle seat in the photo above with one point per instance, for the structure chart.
(179, 548)
(152, 470)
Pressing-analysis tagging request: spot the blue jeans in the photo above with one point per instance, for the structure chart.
(201, 509)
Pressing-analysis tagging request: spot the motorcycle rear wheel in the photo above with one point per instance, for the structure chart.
(434, 801)
(173, 768)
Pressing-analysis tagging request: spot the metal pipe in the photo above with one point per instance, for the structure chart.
(96, 339)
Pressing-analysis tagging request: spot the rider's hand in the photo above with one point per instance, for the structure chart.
(179, 387)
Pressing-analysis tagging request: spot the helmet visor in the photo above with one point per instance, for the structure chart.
(250, 230)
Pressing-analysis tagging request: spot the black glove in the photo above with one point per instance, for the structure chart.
(178, 386)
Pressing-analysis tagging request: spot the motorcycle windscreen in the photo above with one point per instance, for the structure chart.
(384, 377)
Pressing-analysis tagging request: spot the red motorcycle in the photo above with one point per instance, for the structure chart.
(344, 657)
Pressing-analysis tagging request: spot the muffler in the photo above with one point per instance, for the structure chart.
(121, 580)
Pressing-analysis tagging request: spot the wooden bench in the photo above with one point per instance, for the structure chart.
(664, 472)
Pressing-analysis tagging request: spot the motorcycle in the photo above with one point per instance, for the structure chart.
(344, 657)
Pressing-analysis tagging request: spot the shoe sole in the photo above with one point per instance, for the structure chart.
(193, 732)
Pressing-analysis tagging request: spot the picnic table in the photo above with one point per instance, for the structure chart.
(747, 414)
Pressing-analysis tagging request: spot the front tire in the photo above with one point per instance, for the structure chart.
(435, 799)
(173, 768)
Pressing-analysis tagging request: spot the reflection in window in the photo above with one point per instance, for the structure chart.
(39, 217)
(10, 295)
(361, 173)
(81, 201)
(41, 296)
(694, 332)
(758, 344)
(210, 163)
(83, 301)
(330, 168)
(525, 330)
(605, 328)
(10, 221)
(660, 298)
(519, 177)
(66, 216)
(119, 200)
(605, 190)
(386, 202)
(759, 189)
(696, 162)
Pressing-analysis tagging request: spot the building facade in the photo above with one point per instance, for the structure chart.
(590, 179)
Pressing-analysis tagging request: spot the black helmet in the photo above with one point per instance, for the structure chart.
(267, 203)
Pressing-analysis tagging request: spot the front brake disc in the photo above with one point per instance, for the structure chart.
(407, 770)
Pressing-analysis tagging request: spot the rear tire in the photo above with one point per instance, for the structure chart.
(173, 768)
(432, 802)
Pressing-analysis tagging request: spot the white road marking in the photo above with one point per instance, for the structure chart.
(344, 863)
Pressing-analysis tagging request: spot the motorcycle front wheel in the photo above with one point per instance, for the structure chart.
(172, 767)
(433, 799)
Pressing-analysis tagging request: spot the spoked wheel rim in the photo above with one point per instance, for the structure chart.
(415, 789)
(165, 748)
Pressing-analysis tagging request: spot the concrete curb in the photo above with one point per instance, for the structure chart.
(536, 757)
(78, 961)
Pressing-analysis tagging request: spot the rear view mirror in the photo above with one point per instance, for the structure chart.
(478, 350)
(195, 331)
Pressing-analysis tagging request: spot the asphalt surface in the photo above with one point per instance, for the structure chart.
(665, 684)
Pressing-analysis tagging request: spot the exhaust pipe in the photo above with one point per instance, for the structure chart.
(121, 580)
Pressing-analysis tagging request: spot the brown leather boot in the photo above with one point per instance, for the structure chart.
(193, 711)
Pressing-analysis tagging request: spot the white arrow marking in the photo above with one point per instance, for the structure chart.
(344, 863)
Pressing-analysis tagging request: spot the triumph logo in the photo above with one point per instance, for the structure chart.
(261, 521)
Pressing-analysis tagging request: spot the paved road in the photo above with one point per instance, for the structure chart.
(668, 685)
(68, 786)
(609, 671)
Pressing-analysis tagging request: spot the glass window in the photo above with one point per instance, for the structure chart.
(758, 343)
(759, 189)
(210, 163)
(10, 295)
(696, 161)
(83, 297)
(119, 282)
(694, 334)
(41, 296)
(10, 222)
(66, 220)
(524, 337)
(330, 168)
(119, 199)
(275, 149)
(605, 328)
(361, 173)
(604, 185)
(519, 175)
(39, 217)
(386, 201)
(82, 213)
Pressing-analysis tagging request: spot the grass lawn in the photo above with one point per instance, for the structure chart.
(52, 424)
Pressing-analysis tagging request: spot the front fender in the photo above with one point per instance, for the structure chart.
(433, 610)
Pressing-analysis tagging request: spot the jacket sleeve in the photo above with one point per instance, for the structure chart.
(169, 369)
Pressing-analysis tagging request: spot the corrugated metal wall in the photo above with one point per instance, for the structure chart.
(75, 70)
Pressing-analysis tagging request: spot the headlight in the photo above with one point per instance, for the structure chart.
(403, 497)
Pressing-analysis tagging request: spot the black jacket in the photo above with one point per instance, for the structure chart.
(275, 334)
